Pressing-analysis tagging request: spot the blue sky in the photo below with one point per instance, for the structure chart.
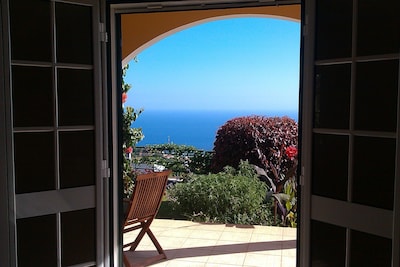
(230, 64)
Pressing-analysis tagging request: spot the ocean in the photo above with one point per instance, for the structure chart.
(193, 128)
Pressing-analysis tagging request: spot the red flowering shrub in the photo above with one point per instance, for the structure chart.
(260, 140)
(291, 152)
(124, 97)
(128, 150)
(130, 137)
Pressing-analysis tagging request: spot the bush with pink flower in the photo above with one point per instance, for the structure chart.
(130, 137)
(270, 144)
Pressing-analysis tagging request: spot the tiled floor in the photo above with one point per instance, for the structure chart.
(198, 244)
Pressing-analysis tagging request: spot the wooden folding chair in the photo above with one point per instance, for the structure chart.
(145, 202)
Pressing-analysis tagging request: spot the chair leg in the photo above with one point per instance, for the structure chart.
(145, 227)
(155, 242)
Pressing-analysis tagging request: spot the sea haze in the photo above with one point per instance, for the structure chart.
(194, 128)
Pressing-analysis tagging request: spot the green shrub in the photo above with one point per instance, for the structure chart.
(200, 162)
(258, 139)
(226, 197)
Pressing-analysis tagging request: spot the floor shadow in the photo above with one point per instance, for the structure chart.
(139, 256)
(229, 249)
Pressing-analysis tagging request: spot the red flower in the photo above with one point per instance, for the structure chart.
(129, 150)
(124, 97)
(291, 152)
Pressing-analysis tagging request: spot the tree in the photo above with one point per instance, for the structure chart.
(258, 139)
(270, 144)
(181, 159)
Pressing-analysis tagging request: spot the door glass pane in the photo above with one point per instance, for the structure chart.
(75, 97)
(77, 159)
(374, 171)
(32, 96)
(30, 23)
(37, 241)
(34, 162)
(78, 231)
(378, 27)
(328, 245)
(330, 171)
(376, 91)
(370, 250)
(74, 33)
(331, 30)
(332, 87)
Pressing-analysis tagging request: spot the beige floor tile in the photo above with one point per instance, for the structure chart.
(171, 242)
(260, 260)
(199, 242)
(205, 234)
(288, 231)
(289, 252)
(180, 226)
(182, 263)
(176, 232)
(159, 228)
(233, 236)
(207, 226)
(146, 242)
(218, 245)
(171, 223)
(233, 259)
(270, 230)
(288, 261)
(208, 264)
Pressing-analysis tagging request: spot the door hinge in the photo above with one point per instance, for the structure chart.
(103, 33)
(105, 170)
(301, 178)
(305, 26)
(305, 30)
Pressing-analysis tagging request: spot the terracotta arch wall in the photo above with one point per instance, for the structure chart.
(140, 30)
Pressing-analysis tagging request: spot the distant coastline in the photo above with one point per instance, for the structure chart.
(194, 128)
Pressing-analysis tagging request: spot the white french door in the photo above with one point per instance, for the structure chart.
(55, 132)
(350, 156)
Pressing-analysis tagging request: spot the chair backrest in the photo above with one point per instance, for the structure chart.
(147, 195)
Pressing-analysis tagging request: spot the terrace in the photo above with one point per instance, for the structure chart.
(189, 243)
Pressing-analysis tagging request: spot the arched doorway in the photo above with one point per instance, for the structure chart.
(171, 31)
(140, 30)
